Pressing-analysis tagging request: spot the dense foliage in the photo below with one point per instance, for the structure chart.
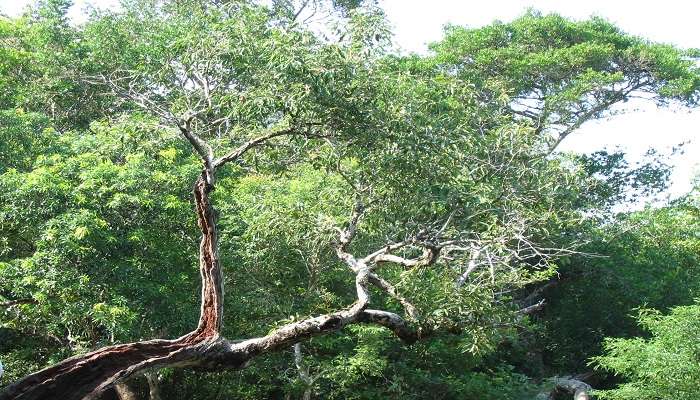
(647, 259)
(661, 367)
(452, 153)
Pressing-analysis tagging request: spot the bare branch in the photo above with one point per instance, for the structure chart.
(201, 147)
(598, 108)
(384, 250)
(361, 266)
(446, 224)
(532, 309)
(345, 237)
(429, 256)
(471, 266)
(304, 374)
(387, 287)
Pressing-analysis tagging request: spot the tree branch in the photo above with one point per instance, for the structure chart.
(347, 235)
(242, 149)
(471, 266)
(532, 309)
(616, 97)
(387, 287)
(429, 256)
(304, 374)
(201, 147)
(393, 322)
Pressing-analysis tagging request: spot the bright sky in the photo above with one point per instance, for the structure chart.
(418, 22)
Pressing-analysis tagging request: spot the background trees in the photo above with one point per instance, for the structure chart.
(668, 357)
(430, 181)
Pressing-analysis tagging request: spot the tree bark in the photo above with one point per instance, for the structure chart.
(153, 385)
(304, 374)
(125, 392)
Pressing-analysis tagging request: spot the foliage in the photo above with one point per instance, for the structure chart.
(557, 73)
(96, 224)
(664, 366)
(647, 258)
(86, 223)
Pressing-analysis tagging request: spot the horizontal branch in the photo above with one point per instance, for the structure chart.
(384, 250)
(393, 322)
(532, 309)
(105, 367)
(236, 354)
(429, 256)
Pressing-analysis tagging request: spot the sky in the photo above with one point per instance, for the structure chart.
(419, 22)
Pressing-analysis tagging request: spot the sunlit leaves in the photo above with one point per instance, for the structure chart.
(96, 217)
(662, 366)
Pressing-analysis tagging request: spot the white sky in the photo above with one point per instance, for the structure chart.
(418, 22)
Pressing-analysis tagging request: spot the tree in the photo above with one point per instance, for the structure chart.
(418, 177)
(646, 259)
(558, 74)
(662, 366)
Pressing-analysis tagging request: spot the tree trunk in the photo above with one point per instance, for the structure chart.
(88, 374)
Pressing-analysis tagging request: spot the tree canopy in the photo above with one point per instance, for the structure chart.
(370, 224)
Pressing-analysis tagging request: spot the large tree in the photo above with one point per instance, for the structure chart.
(428, 179)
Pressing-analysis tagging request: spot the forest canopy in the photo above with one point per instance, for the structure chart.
(208, 199)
